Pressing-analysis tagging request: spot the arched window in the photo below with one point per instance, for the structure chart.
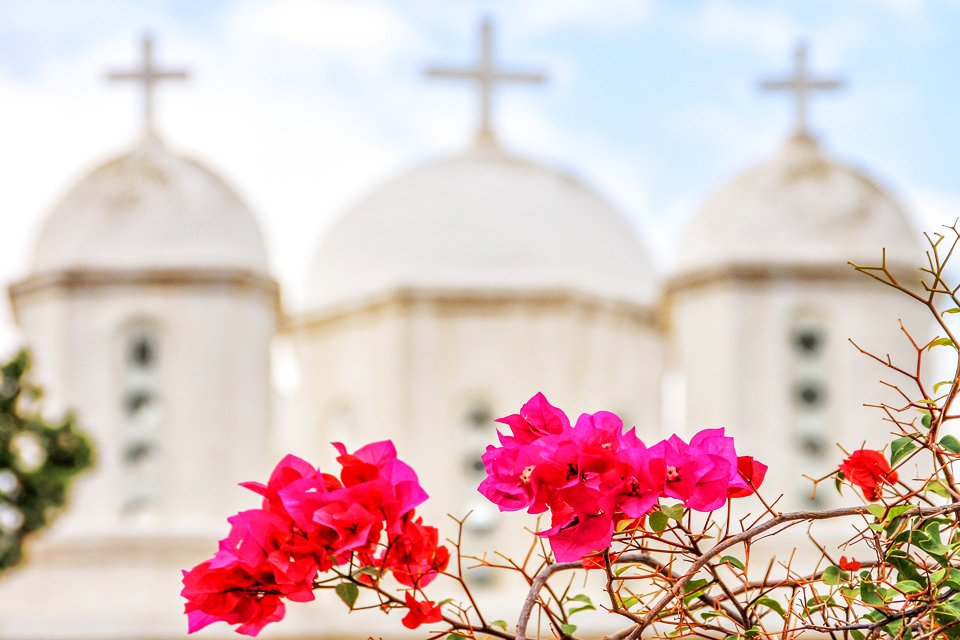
(142, 415)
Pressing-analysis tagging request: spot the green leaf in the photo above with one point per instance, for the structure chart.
(694, 588)
(348, 592)
(568, 629)
(953, 579)
(623, 525)
(950, 443)
(937, 487)
(629, 602)
(941, 342)
(734, 561)
(674, 512)
(499, 623)
(908, 586)
(932, 543)
(869, 594)
(942, 383)
(454, 636)
(833, 575)
(877, 510)
(900, 448)
(657, 521)
(904, 563)
(772, 604)
(925, 419)
(953, 310)
(582, 598)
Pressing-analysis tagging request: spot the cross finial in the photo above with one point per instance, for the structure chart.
(802, 84)
(487, 76)
(148, 75)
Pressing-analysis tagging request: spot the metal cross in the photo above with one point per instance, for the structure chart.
(148, 75)
(802, 84)
(487, 76)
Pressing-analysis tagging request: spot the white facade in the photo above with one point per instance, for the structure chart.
(452, 294)
(763, 303)
(166, 363)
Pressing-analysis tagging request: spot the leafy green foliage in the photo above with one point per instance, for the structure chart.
(38, 461)
(348, 592)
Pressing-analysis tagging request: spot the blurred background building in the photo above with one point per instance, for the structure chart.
(441, 298)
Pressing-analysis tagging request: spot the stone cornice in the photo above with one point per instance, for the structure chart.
(76, 280)
(475, 300)
(769, 273)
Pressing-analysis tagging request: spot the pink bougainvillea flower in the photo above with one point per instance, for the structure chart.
(868, 470)
(537, 418)
(398, 482)
(572, 538)
(357, 528)
(701, 473)
(595, 473)
(509, 473)
(259, 542)
(420, 612)
(645, 478)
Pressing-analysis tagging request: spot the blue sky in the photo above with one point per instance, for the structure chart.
(306, 106)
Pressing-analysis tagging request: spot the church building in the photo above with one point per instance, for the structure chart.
(441, 300)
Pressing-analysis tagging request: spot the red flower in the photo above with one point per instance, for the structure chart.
(420, 612)
(597, 561)
(849, 565)
(415, 556)
(868, 470)
(751, 471)
(232, 594)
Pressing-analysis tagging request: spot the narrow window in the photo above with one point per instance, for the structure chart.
(142, 416)
(809, 392)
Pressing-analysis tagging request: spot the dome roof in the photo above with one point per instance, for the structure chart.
(484, 219)
(150, 209)
(800, 207)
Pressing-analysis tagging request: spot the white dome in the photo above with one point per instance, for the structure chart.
(150, 209)
(801, 207)
(484, 219)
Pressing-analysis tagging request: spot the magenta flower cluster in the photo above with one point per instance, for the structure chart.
(594, 474)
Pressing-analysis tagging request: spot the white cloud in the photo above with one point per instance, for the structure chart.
(754, 28)
(773, 32)
(547, 16)
(359, 32)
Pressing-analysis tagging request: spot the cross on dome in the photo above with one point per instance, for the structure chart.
(487, 76)
(802, 84)
(148, 75)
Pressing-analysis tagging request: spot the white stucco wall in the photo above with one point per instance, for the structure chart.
(414, 367)
(731, 339)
